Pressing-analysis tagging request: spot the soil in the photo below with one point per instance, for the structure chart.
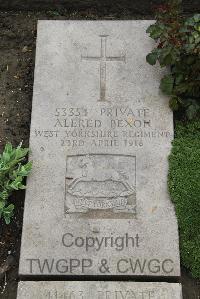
(17, 53)
(143, 7)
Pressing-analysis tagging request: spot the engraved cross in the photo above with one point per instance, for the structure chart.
(103, 58)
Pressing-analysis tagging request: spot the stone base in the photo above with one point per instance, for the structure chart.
(98, 290)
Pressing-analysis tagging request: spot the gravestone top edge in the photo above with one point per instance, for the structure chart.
(100, 290)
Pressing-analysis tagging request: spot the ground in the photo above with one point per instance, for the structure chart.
(17, 53)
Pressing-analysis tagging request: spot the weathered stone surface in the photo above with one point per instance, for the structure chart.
(97, 201)
(98, 290)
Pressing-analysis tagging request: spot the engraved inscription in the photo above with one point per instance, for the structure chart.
(103, 59)
(100, 182)
(129, 293)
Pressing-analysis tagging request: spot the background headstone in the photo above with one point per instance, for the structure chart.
(98, 290)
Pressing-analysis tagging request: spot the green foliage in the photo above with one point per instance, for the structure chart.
(178, 47)
(12, 172)
(184, 188)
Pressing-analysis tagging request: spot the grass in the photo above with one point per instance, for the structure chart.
(184, 188)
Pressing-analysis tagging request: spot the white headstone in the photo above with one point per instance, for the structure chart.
(98, 290)
(97, 200)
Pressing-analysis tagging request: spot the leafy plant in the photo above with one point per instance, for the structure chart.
(178, 47)
(12, 172)
(184, 188)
